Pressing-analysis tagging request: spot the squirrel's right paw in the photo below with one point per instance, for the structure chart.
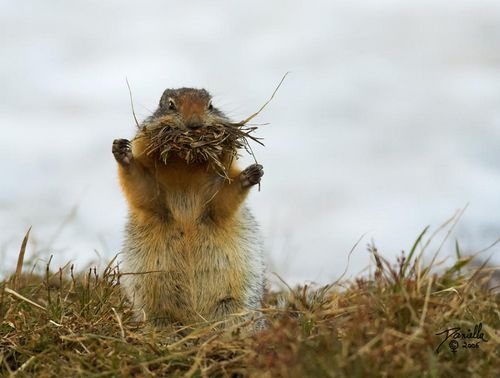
(122, 151)
(251, 175)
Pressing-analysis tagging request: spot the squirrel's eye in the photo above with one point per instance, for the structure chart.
(171, 104)
(210, 106)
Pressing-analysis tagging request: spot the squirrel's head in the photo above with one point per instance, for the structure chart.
(187, 124)
(188, 108)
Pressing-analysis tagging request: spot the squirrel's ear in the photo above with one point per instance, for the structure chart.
(164, 100)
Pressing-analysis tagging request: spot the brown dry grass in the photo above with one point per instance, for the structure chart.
(213, 143)
(65, 324)
(210, 143)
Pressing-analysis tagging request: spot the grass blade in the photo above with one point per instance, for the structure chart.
(20, 260)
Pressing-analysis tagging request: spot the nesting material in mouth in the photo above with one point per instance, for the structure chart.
(216, 144)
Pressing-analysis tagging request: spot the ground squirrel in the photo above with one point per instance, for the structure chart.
(193, 248)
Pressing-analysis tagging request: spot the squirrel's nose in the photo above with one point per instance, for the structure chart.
(194, 125)
(194, 122)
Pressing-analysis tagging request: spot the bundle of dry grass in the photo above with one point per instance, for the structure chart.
(215, 144)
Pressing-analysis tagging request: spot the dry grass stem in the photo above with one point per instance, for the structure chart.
(20, 260)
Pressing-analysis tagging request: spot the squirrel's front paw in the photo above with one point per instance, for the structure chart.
(251, 175)
(122, 151)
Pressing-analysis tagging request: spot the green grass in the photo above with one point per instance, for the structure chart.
(63, 323)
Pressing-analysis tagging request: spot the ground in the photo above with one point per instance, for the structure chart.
(393, 322)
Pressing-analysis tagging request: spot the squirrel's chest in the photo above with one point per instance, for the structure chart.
(185, 209)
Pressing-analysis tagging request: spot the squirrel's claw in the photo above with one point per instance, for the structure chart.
(251, 175)
(122, 151)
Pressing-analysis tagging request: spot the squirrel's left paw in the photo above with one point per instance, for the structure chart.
(251, 175)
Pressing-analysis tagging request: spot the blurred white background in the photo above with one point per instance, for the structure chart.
(389, 120)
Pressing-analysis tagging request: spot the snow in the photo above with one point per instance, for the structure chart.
(388, 122)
